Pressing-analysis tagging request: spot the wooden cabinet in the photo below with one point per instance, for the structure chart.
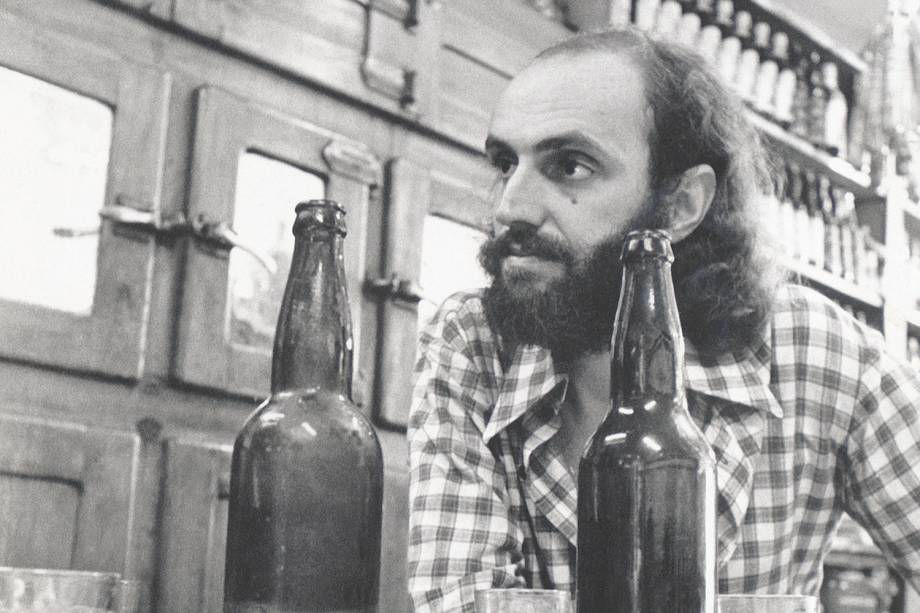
(225, 344)
(105, 333)
(193, 526)
(67, 495)
(419, 196)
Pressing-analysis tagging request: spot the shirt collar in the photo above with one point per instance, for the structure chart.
(742, 377)
(529, 378)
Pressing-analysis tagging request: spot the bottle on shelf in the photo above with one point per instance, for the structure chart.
(732, 45)
(646, 481)
(818, 98)
(803, 232)
(646, 12)
(860, 256)
(789, 214)
(784, 93)
(688, 29)
(710, 32)
(845, 204)
(306, 480)
(771, 211)
(801, 97)
(668, 17)
(832, 255)
(835, 115)
(857, 152)
(749, 64)
(869, 258)
(768, 74)
(816, 240)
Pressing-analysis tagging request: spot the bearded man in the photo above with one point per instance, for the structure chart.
(807, 414)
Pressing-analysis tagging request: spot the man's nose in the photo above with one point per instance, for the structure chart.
(521, 200)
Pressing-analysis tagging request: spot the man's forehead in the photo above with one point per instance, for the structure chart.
(592, 91)
(605, 72)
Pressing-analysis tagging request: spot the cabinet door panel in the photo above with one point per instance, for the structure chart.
(67, 495)
(482, 45)
(83, 300)
(232, 135)
(436, 223)
(193, 526)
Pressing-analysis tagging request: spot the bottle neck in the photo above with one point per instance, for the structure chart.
(313, 342)
(648, 347)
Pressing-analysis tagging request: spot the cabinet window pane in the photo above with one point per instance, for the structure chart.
(449, 262)
(54, 152)
(267, 190)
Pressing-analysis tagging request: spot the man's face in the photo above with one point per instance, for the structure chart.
(569, 137)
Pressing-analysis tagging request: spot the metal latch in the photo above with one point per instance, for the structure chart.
(396, 288)
(129, 212)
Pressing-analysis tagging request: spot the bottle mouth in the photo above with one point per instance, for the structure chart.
(648, 243)
(321, 212)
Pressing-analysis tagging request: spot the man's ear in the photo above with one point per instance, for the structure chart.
(689, 201)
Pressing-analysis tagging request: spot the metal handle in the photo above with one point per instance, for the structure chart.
(221, 232)
(129, 212)
(397, 288)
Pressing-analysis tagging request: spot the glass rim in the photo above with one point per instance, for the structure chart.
(524, 590)
(766, 596)
(59, 572)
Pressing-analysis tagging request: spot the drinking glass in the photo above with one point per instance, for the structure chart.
(38, 590)
(523, 601)
(767, 603)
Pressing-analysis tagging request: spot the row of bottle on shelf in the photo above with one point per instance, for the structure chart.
(780, 75)
(815, 223)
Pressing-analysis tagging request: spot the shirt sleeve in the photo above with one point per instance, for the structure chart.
(461, 537)
(882, 471)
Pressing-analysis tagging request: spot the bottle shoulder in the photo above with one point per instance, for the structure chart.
(649, 442)
(310, 415)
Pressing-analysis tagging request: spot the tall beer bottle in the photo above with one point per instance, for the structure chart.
(306, 480)
(646, 484)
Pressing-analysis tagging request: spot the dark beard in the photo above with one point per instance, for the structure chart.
(572, 315)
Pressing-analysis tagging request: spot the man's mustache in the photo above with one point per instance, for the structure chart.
(527, 243)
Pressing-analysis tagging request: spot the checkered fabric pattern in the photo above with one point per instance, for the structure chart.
(813, 420)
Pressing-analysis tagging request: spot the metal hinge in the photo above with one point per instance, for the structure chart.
(393, 79)
(131, 213)
(395, 287)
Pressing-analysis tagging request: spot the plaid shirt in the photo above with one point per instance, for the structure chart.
(813, 420)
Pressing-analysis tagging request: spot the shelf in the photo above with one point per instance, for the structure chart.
(839, 171)
(865, 297)
(794, 21)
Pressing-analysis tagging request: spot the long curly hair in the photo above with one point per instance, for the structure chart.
(724, 275)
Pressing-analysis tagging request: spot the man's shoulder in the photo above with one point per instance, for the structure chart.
(802, 315)
(461, 311)
(461, 322)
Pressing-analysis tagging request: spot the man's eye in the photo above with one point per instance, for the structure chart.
(571, 168)
(504, 165)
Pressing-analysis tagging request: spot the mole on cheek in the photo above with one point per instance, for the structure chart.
(574, 200)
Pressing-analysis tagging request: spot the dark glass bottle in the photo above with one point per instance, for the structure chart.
(646, 484)
(307, 475)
